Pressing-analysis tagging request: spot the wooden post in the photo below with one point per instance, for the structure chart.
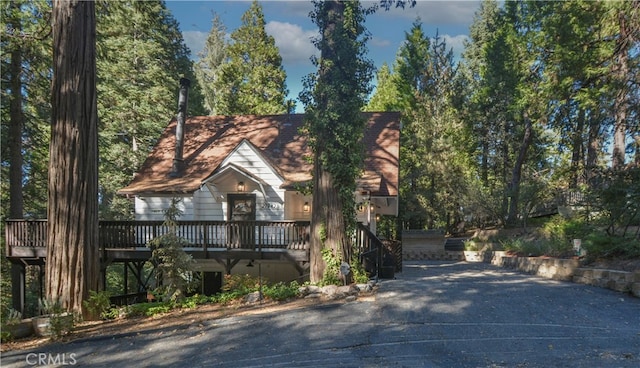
(18, 286)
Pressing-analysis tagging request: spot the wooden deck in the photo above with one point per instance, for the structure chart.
(26, 240)
(227, 243)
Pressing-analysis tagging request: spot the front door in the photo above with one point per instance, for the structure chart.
(242, 214)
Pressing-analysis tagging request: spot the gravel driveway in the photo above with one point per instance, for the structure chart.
(434, 314)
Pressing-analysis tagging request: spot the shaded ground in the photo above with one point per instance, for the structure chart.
(435, 314)
(176, 319)
(181, 317)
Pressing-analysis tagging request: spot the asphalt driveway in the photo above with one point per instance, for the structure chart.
(434, 314)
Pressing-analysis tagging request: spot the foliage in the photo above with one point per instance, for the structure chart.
(359, 274)
(333, 99)
(25, 37)
(141, 57)
(194, 301)
(61, 323)
(251, 80)
(148, 309)
(331, 274)
(173, 263)
(208, 69)
(237, 286)
(99, 304)
(281, 291)
(243, 284)
(616, 198)
(434, 166)
(12, 317)
(601, 245)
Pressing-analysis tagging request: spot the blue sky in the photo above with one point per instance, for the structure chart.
(289, 23)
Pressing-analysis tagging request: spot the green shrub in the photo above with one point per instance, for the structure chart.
(243, 284)
(194, 301)
(281, 291)
(602, 245)
(147, 309)
(472, 245)
(99, 304)
(331, 274)
(228, 296)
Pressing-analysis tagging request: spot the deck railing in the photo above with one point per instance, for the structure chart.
(205, 234)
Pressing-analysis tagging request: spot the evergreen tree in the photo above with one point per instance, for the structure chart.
(141, 59)
(409, 72)
(26, 113)
(252, 80)
(209, 66)
(333, 99)
(385, 97)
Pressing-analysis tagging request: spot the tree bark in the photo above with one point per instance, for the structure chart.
(577, 149)
(16, 122)
(621, 75)
(516, 175)
(328, 228)
(72, 268)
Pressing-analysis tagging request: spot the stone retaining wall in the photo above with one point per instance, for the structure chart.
(430, 246)
(563, 269)
(417, 244)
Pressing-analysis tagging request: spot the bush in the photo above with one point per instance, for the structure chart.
(147, 309)
(521, 247)
(281, 291)
(243, 284)
(602, 245)
(99, 304)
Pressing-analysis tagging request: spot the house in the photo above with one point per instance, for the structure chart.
(255, 168)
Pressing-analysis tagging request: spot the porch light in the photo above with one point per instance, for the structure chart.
(241, 186)
(305, 207)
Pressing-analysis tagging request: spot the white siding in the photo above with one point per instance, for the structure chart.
(271, 207)
(152, 208)
(294, 206)
(201, 205)
(206, 208)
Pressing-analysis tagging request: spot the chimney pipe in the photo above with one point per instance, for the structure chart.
(178, 162)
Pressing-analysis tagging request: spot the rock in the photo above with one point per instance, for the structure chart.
(253, 297)
(350, 298)
(346, 290)
(330, 291)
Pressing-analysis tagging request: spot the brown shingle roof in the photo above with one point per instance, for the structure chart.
(208, 140)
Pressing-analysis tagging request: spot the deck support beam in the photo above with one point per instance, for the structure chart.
(18, 286)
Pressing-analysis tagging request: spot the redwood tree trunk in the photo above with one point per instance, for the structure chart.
(327, 221)
(72, 268)
(16, 123)
(328, 228)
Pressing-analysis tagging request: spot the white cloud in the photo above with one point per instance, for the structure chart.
(457, 43)
(293, 42)
(436, 12)
(195, 41)
(379, 42)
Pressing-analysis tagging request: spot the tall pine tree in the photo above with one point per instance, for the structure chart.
(140, 61)
(252, 80)
(209, 66)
